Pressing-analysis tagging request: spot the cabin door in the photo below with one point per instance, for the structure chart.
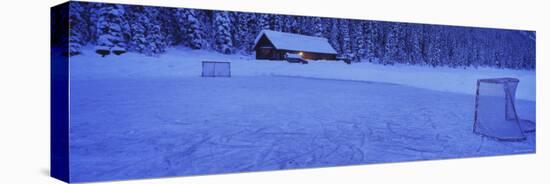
(265, 53)
(275, 55)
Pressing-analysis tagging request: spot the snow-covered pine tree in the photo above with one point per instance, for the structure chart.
(434, 47)
(288, 23)
(334, 35)
(277, 22)
(451, 47)
(145, 30)
(416, 45)
(263, 22)
(318, 28)
(304, 26)
(93, 10)
(402, 39)
(77, 28)
(155, 36)
(391, 49)
(523, 55)
(155, 39)
(508, 51)
(327, 27)
(251, 32)
(137, 21)
(238, 36)
(110, 28)
(294, 25)
(475, 48)
(371, 31)
(221, 24)
(206, 18)
(484, 52)
(357, 35)
(344, 38)
(468, 48)
(168, 25)
(501, 59)
(407, 44)
(507, 55)
(191, 29)
(244, 31)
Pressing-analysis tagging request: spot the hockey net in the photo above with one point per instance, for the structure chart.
(216, 69)
(495, 112)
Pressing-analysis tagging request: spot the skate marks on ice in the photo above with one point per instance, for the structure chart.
(189, 126)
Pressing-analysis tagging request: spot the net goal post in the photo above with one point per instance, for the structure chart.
(216, 69)
(495, 110)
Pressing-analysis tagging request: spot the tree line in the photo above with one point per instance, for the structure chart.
(116, 29)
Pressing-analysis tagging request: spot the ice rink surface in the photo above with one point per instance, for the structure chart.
(169, 126)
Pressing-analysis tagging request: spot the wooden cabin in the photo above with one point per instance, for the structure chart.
(273, 45)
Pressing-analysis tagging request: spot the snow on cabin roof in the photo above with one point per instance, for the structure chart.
(297, 42)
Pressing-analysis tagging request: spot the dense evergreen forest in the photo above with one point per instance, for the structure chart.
(115, 29)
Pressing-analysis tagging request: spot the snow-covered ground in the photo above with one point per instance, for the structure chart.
(179, 62)
(136, 117)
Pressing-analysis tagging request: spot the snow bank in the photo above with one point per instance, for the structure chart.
(183, 62)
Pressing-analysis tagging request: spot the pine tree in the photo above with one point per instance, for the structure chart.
(146, 34)
(434, 49)
(93, 9)
(77, 28)
(190, 28)
(137, 23)
(358, 40)
(169, 25)
(371, 35)
(318, 28)
(263, 22)
(402, 39)
(416, 45)
(277, 22)
(391, 49)
(304, 26)
(294, 25)
(110, 28)
(334, 35)
(327, 27)
(451, 48)
(155, 36)
(223, 42)
(344, 39)
(289, 23)
(244, 31)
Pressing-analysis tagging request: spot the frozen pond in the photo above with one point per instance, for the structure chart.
(138, 128)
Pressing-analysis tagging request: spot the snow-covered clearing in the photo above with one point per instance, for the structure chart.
(136, 117)
(179, 62)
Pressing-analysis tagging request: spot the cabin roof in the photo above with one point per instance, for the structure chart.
(296, 42)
